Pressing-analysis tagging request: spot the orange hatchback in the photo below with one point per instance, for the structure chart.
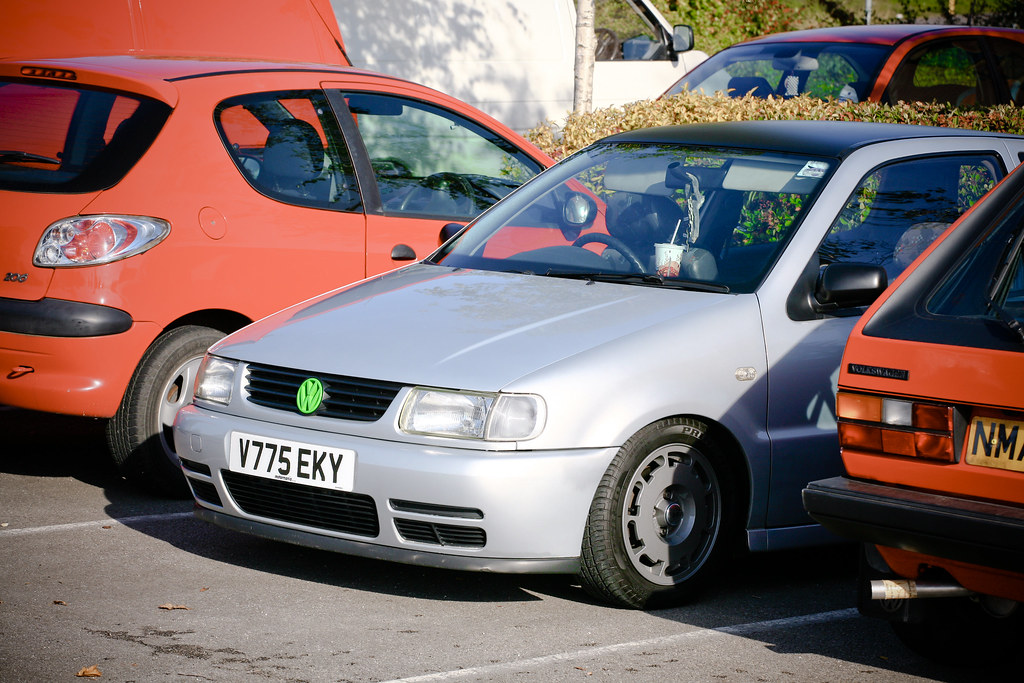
(931, 424)
(152, 206)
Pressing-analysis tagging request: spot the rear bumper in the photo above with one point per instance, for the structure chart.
(976, 532)
(57, 368)
(60, 318)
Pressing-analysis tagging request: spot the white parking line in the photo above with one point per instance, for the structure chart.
(697, 634)
(101, 522)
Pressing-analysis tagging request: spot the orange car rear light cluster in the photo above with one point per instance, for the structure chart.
(895, 426)
(97, 239)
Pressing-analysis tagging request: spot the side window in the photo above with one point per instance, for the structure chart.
(1010, 60)
(898, 210)
(944, 71)
(287, 146)
(622, 34)
(432, 162)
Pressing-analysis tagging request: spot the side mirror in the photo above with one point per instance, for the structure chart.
(402, 252)
(448, 231)
(849, 285)
(682, 38)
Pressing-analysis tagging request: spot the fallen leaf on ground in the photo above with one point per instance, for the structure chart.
(59, 602)
(89, 672)
(170, 606)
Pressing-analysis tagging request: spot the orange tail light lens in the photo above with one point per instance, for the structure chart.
(899, 427)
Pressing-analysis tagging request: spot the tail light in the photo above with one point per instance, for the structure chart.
(900, 427)
(98, 239)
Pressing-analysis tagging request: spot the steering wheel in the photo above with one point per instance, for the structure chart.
(392, 167)
(459, 190)
(613, 242)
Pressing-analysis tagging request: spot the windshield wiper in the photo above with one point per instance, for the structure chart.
(642, 279)
(12, 155)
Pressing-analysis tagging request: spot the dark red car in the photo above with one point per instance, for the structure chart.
(965, 65)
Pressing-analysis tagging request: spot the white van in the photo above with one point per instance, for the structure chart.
(514, 59)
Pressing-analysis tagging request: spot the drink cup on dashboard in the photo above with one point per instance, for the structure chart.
(667, 258)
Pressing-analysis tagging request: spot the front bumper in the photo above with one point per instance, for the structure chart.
(977, 532)
(459, 508)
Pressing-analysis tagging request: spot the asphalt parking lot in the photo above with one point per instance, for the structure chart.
(97, 574)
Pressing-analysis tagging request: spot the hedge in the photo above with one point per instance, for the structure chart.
(579, 130)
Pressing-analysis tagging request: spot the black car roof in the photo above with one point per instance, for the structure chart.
(821, 138)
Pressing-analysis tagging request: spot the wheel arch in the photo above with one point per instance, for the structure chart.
(736, 457)
(224, 320)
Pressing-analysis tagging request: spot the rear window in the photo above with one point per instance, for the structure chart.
(72, 139)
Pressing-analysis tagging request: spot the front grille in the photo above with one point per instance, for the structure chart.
(341, 511)
(435, 509)
(441, 534)
(194, 466)
(345, 398)
(205, 491)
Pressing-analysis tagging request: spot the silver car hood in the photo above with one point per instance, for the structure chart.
(433, 325)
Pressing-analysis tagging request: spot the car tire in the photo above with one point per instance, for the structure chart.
(139, 434)
(661, 518)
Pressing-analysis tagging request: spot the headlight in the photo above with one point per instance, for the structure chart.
(94, 240)
(215, 379)
(468, 415)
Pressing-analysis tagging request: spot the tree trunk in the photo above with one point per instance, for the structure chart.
(586, 44)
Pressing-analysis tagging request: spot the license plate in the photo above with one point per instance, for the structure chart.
(294, 461)
(996, 443)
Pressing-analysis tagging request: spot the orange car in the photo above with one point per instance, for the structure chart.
(931, 424)
(152, 205)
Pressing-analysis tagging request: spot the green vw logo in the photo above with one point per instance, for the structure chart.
(309, 396)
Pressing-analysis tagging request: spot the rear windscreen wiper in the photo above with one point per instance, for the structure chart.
(12, 155)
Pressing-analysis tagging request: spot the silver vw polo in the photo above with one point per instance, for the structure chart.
(617, 371)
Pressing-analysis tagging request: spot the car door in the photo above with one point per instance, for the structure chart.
(895, 211)
(303, 228)
(421, 166)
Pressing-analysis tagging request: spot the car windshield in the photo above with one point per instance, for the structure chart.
(57, 138)
(648, 214)
(844, 71)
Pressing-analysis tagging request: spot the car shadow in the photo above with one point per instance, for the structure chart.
(44, 445)
(759, 596)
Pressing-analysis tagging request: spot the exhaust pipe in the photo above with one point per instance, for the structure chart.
(906, 589)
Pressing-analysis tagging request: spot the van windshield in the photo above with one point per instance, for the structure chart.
(72, 139)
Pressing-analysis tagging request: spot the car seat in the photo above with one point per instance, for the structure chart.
(749, 85)
(639, 220)
(293, 161)
(642, 220)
